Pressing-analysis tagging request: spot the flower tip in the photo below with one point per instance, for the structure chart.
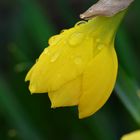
(132, 136)
(53, 106)
(32, 93)
(82, 16)
(82, 115)
(32, 89)
(26, 79)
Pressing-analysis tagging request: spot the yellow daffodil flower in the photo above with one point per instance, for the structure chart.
(80, 66)
(132, 136)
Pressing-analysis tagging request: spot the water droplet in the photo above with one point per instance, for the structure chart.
(80, 22)
(46, 51)
(76, 38)
(98, 40)
(54, 57)
(78, 60)
(100, 46)
(54, 40)
(62, 31)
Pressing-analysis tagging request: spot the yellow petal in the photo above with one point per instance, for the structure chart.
(60, 64)
(132, 136)
(35, 74)
(69, 52)
(67, 95)
(98, 81)
(29, 74)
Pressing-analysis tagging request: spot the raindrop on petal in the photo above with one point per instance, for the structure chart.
(80, 22)
(100, 46)
(98, 40)
(54, 40)
(54, 57)
(46, 51)
(62, 31)
(78, 60)
(75, 39)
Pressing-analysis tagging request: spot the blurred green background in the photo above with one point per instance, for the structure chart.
(25, 27)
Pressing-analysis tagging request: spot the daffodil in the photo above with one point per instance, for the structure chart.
(132, 136)
(80, 66)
